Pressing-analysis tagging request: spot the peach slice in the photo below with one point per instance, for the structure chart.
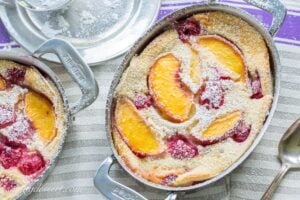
(40, 111)
(134, 131)
(2, 83)
(173, 100)
(226, 53)
(221, 128)
(195, 70)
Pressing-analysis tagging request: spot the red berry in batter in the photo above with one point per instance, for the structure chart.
(10, 157)
(31, 163)
(16, 75)
(256, 87)
(7, 183)
(168, 179)
(142, 101)
(212, 95)
(187, 28)
(241, 133)
(179, 147)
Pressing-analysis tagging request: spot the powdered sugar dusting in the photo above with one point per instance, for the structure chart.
(87, 18)
(21, 130)
(213, 95)
(7, 116)
(11, 98)
(142, 101)
(180, 147)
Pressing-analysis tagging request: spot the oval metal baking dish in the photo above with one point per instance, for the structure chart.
(113, 190)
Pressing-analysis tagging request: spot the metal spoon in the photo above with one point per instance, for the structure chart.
(43, 5)
(289, 155)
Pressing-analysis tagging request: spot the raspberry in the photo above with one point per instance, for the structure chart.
(7, 116)
(10, 152)
(168, 179)
(212, 95)
(10, 157)
(142, 101)
(181, 148)
(31, 163)
(256, 87)
(2, 148)
(208, 142)
(187, 28)
(12, 144)
(224, 77)
(7, 183)
(16, 75)
(241, 133)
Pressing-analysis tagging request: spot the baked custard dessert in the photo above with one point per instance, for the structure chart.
(32, 124)
(193, 101)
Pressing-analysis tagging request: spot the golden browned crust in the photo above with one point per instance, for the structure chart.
(221, 155)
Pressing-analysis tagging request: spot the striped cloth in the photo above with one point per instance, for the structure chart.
(86, 145)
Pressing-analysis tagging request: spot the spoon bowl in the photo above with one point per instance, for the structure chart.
(289, 147)
(43, 5)
(289, 155)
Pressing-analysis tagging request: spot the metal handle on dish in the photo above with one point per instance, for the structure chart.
(110, 188)
(77, 68)
(274, 185)
(8, 3)
(114, 190)
(172, 196)
(276, 8)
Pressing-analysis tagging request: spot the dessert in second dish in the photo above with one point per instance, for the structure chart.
(192, 103)
(32, 126)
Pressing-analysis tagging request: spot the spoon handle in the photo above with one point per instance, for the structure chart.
(274, 185)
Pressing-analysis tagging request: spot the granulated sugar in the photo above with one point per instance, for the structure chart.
(87, 18)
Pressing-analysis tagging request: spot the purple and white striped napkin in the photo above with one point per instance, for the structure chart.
(86, 146)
